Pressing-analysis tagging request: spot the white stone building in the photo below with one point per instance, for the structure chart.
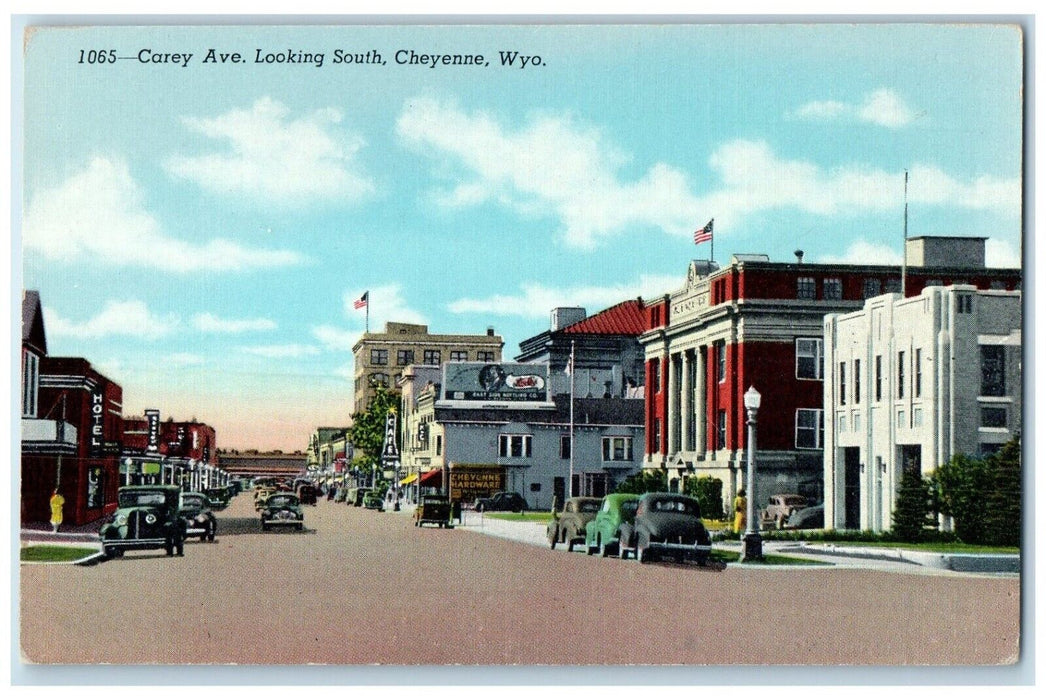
(908, 383)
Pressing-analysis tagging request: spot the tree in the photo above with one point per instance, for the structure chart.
(1003, 519)
(709, 494)
(911, 514)
(368, 427)
(962, 486)
(642, 482)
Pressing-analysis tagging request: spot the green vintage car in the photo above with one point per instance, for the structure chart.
(602, 533)
(219, 496)
(282, 509)
(146, 517)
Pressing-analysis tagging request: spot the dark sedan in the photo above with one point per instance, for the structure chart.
(666, 524)
(500, 501)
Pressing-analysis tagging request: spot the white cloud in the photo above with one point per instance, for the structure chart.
(99, 214)
(336, 338)
(386, 303)
(291, 350)
(881, 107)
(753, 178)
(553, 163)
(998, 253)
(118, 318)
(537, 301)
(277, 158)
(209, 323)
(185, 359)
(863, 252)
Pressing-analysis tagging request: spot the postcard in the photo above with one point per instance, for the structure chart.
(654, 348)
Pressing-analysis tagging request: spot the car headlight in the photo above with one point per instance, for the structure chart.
(120, 519)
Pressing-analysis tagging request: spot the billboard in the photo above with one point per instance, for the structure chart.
(496, 383)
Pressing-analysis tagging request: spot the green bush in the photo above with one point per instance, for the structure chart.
(709, 494)
(983, 496)
(1003, 520)
(643, 482)
(911, 515)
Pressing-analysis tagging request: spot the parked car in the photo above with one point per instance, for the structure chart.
(282, 509)
(146, 517)
(195, 511)
(433, 508)
(780, 507)
(501, 500)
(307, 494)
(811, 518)
(219, 497)
(604, 532)
(261, 495)
(568, 526)
(373, 501)
(666, 524)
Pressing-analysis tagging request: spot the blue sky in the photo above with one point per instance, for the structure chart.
(199, 233)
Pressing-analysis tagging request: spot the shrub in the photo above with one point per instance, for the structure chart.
(1003, 519)
(709, 494)
(642, 482)
(912, 512)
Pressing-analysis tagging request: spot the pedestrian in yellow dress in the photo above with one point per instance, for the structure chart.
(740, 510)
(57, 501)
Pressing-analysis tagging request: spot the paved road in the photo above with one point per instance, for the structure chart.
(360, 587)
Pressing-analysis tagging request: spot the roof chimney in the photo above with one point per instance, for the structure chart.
(799, 257)
(490, 331)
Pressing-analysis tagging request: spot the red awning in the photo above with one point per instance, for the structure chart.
(432, 478)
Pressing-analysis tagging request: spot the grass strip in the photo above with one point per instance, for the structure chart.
(55, 553)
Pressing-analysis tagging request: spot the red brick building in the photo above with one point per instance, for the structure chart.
(183, 448)
(72, 425)
(760, 323)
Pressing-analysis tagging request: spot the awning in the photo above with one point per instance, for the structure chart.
(150, 467)
(409, 480)
(432, 478)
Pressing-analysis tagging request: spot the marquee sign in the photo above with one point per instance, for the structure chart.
(152, 419)
(390, 454)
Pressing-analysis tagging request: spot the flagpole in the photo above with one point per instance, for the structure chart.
(573, 371)
(904, 251)
(366, 321)
(712, 253)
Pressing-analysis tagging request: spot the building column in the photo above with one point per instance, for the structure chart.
(700, 396)
(685, 408)
(672, 386)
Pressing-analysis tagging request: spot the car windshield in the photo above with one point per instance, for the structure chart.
(433, 499)
(131, 499)
(589, 507)
(795, 501)
(192, 502)
(666, 505)
(628, 509)
(281, 501)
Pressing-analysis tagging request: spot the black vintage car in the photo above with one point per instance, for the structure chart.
(146, 517)
(282, 509)
(433, 508)
(195, 510)
(666, 524)
(501, 500)
(219, 496)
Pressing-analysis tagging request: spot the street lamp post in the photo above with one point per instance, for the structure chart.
(753, 545)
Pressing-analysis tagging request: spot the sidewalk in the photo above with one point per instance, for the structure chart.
(41, 533)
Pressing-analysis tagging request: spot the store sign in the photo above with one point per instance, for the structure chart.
(469, 482)
(96, 444)
(390, 454)
(95, 488)
(152, 418)
(496, 382)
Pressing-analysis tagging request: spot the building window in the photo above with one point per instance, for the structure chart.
(857, 422)
(918, 372)
(459, 355)
(379, 357)
(997, 284)
(809, 428)
(893, 285)
(720, 436)
(857, 381)
(806, 288)
(513, 445)
(833, 289)
(439, 445)
(963, 303)
(30, 383)
(809, 359)
(535, 487)
(872, 288)
(655, 376)
(404, 357)
(379, 379)
(484, 355)
(432, 357)
(900, 374)
(617, 449)
(934, 283)
(842, 423)
(993, 375)
(993, 417)
(878, 378)
(989, 448)
(900, 418)
(842, 383)
(720, 360)
(917, 417)
(564, 447)
(655, 445)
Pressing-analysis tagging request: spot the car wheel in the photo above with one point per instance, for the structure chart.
(552, 538)
(265, 526)
(300, 527)
(213, 533)
(109, 552)
(604, 550)
(590, 549)
(569, 536)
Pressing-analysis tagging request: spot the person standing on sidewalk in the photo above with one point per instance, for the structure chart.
(740, 512)
(57, 502)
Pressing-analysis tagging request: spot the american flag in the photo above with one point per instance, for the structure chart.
(703, 235)
(361, 302)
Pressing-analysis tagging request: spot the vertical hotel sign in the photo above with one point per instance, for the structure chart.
(152, 422)
(97, 442)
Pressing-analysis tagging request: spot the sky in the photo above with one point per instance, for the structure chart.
(199, 230)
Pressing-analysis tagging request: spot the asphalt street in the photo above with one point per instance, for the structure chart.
(362, 587)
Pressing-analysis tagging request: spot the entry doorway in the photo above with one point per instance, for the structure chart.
(852, 488)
